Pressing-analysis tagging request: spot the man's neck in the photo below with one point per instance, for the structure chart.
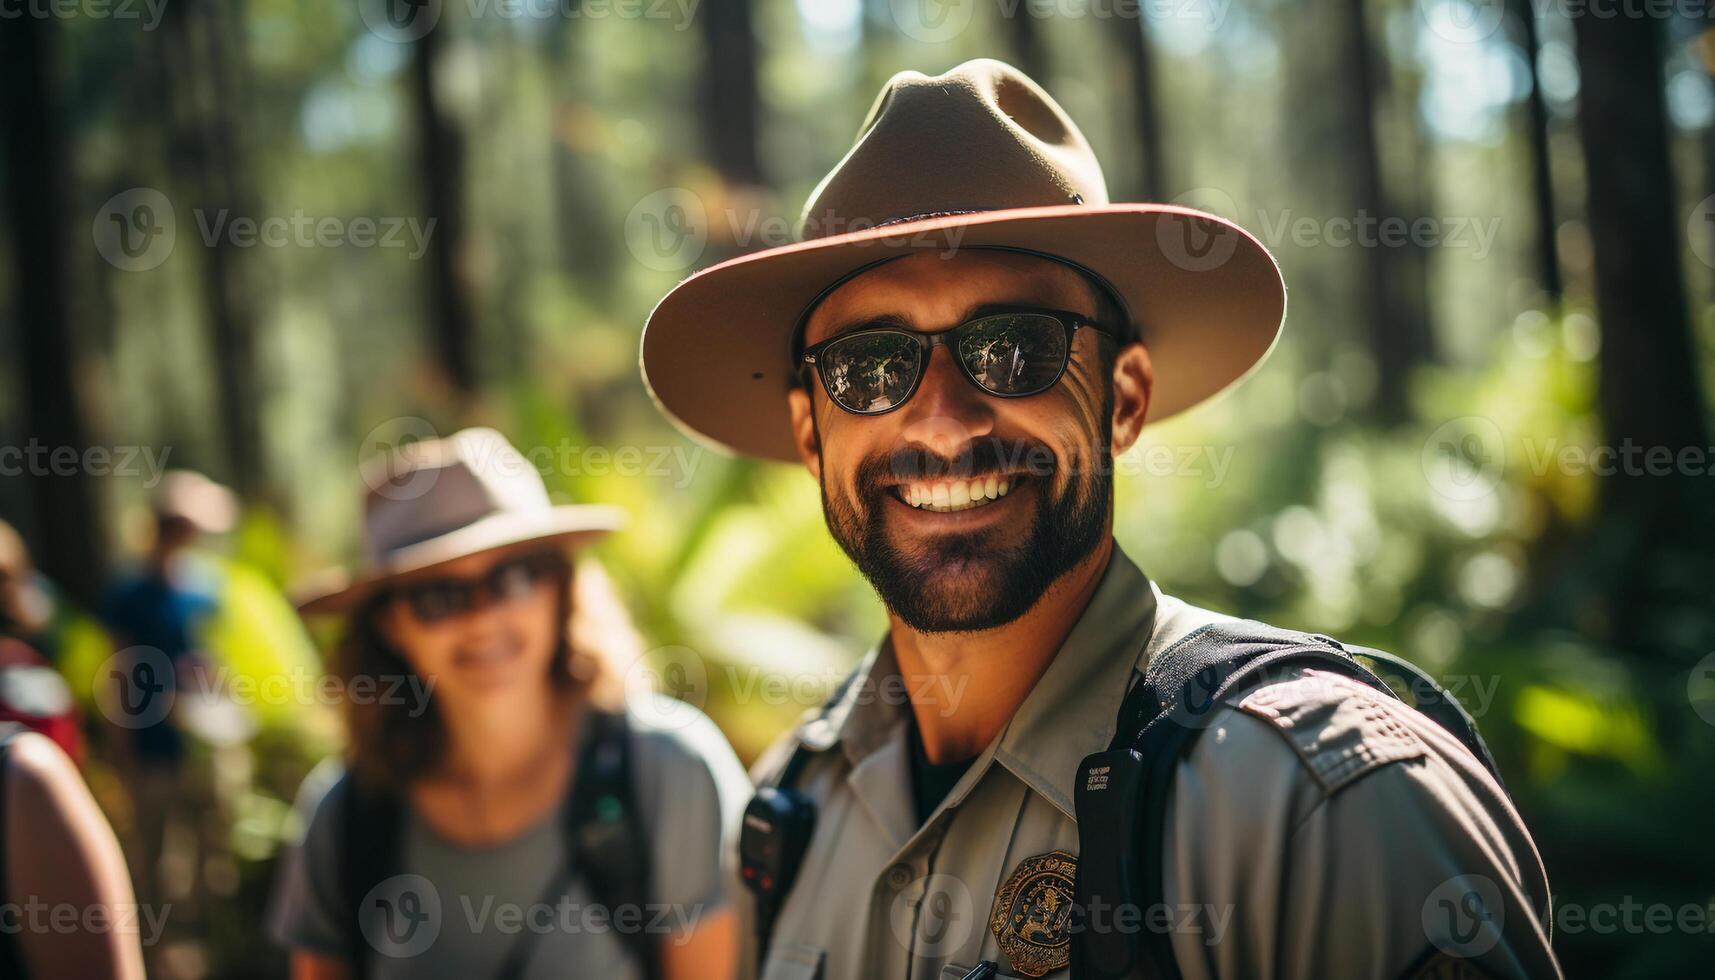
(978, 680)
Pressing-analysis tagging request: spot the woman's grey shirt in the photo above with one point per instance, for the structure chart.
(467, 905)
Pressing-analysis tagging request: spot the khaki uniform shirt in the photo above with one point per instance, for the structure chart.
(1318, 829)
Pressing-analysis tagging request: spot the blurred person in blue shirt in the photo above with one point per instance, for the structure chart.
(156, 614)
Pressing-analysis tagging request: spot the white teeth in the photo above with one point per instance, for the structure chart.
(961, 495)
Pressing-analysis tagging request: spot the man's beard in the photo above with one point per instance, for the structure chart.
(966, 582)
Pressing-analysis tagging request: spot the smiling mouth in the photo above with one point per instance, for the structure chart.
(487, 655)
(947, 496)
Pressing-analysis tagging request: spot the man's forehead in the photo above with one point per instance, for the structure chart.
(932, 290)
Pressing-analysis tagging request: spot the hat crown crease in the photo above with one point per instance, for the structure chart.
(979, 138)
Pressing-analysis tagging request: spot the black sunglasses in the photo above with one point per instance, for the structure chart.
(1009, 353)
(434, 600)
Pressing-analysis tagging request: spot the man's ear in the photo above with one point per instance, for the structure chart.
(804, 437)
(1134, 380)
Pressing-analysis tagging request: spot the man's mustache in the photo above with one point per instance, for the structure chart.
(979, 458)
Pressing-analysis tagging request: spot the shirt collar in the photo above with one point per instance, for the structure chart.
(1071, 712)
(1074, 708)
(863, 710)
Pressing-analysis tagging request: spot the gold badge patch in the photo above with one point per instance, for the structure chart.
(1033, 913)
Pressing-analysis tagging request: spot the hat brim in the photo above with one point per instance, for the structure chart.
(571, 526)
(1206, 297)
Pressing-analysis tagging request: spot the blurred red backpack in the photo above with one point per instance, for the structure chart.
(33, 694)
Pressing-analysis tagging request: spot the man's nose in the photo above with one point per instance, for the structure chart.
(948, 412)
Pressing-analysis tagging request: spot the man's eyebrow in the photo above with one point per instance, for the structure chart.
(894, 320)
(899, 321)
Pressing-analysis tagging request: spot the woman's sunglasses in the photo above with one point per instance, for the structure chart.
(1009, 354)
(438, 599)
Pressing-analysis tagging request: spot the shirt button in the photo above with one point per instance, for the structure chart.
(899, 876)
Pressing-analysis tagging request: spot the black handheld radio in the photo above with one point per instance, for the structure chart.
(776, 832)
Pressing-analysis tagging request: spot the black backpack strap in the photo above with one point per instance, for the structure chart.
(1121, 793)
(11, 957)
(370, 823)
(606, 838)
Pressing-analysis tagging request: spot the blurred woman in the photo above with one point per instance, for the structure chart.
(66, 905)
(504, 811)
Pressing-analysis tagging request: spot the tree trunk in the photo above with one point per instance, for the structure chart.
(731, 119)
(578, 204)
(207, 42)
(1132, 41)
(1397, 331)
(68, 541)
(1541, 176)
(1029, 53)
(441, 157)
(1649, 393)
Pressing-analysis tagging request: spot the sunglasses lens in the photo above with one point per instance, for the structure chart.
(869, 373)
(1013, 353)
(432, 602)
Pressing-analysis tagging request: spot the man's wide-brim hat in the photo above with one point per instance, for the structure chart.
(980, 157)
(438, 500)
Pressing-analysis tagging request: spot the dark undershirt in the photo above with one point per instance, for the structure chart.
(930, 782)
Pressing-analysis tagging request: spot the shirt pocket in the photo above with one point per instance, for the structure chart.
(794, 961)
